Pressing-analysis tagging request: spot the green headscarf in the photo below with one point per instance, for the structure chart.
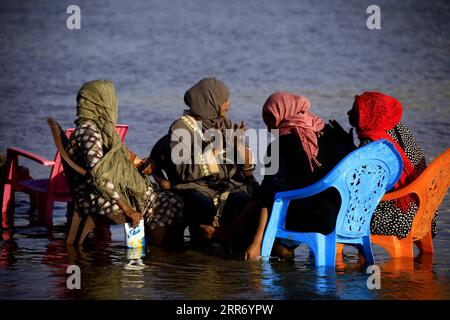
(97, 101)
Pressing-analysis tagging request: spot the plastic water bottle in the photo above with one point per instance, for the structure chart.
(135, 237)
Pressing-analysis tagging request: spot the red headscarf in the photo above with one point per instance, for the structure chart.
(376, 113)
(291, 115)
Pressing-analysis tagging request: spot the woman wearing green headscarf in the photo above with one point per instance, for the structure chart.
(113, 187)
(214, 192)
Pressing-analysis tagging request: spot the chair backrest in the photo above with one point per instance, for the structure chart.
(362, 178)
(431, 187)
(61, 143)
(58, 182)
(122, 130)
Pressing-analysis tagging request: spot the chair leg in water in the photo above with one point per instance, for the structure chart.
(367, 251)
(425, 244)
(88, 226)
(74, 227)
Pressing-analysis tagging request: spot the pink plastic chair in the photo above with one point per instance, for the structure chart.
(43, 192)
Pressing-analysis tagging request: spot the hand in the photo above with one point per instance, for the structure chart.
(135, 218)
(239, 133)
(139, 163)
(218, 142)
(129, 212)
(245, 157)
(147, 167)
(244, 154)
(164, 184)
(340, 132)
(253, 252)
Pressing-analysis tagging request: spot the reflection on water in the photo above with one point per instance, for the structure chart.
(153, 53)
(33, 264)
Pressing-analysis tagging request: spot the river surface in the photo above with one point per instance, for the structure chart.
(154, 51)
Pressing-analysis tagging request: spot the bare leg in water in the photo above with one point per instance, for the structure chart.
(167, 237)
(229, 234)
(157, 236)
(253, 251)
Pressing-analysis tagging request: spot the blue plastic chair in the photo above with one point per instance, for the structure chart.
(361, 179)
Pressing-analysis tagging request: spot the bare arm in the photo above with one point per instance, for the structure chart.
(129, 212)
(137, 162)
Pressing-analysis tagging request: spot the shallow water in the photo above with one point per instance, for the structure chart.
(154, 52)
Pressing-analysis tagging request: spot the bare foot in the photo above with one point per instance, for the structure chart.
(282, 252)
(207, 231)
(253, 252)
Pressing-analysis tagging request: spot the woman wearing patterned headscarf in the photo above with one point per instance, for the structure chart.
(378, 116)
(113, 187)
(213, 191)
(308, 150)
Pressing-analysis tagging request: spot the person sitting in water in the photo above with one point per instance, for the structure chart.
(378, 116)
(308, 150)
(162, 167)
(213, 192)
(113, 187)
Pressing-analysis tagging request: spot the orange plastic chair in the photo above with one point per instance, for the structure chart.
(430, 187)
(44, 192)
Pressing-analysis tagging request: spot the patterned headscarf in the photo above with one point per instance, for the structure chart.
(291, 115)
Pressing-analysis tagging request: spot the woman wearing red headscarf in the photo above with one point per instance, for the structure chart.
(378, 116)
(308, 150)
